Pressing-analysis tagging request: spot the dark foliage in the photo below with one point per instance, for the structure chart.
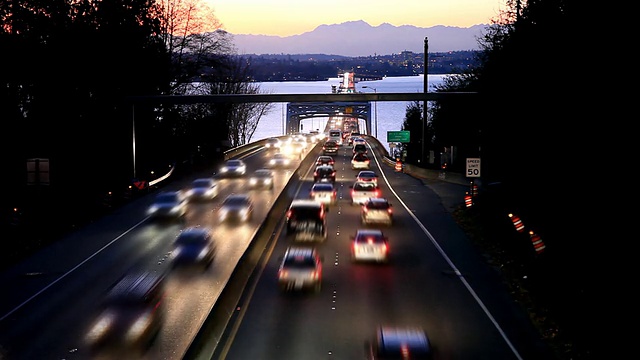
(525, 131)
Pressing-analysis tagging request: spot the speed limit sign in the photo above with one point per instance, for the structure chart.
(473, 167)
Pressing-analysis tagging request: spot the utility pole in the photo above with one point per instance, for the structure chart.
(426, 90)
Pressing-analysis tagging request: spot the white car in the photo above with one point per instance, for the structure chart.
(261, 179)
(360, 161)
(280, 160)
(233, 167)
(367, 176)
(324, 193)
(236, 207)
(202, 189)
(272, 143)
(169, 205)
(363, 191)
(377, 211)
(370, 245)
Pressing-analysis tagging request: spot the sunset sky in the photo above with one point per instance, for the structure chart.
(294, 17)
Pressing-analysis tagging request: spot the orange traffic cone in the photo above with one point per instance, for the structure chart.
(517, 223)
(538, 245)
(398, 165)
(468, 200)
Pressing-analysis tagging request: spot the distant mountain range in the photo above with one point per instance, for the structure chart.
(357, 38)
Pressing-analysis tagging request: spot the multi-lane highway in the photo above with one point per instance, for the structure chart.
(49, 300)
(434, 280)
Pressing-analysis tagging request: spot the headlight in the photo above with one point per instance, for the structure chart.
(139, 327)
(101, 327)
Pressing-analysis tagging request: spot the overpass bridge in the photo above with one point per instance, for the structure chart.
(305, 106)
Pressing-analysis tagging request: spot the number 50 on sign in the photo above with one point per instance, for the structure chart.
(473, 167)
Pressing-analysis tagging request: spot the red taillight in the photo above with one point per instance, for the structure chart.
(289, 213)
(377, 193)
(390, 211)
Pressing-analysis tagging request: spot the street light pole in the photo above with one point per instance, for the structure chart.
(375, 107)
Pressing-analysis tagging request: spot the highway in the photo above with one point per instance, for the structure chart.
(49, 300)
(434, 280)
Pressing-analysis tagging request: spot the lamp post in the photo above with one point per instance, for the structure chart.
(375, 107)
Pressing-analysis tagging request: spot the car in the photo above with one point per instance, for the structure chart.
(369, 245)
(236, 207)
(131, 315)
(300, 269)
(330, 147)
(202, 189)
(280, 161)
(360, 161)
(294, 148)
(367, 176)
(399, 343)
(272, 143)
(359, 148)
(324, 173)
(168, 205)
(325, 160)
(361, 192)
(376, 210)
(233, 167)
(324, 193)
(193, 247)
(306, 220)
(359, 140)
(261, 179)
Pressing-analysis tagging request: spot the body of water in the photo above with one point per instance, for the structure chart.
(390, 115)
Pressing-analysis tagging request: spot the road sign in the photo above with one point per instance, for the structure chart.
(398, 136)
(473, 167)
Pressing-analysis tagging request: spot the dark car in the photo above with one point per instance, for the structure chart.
(325, 160)
(194, 246)
(324, 173)
(359, 148)
(300, 269)
(131, 315)
(306, 220)
(330, 147)
(399, 343)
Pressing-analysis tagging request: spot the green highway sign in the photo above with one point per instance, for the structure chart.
(398, 136)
